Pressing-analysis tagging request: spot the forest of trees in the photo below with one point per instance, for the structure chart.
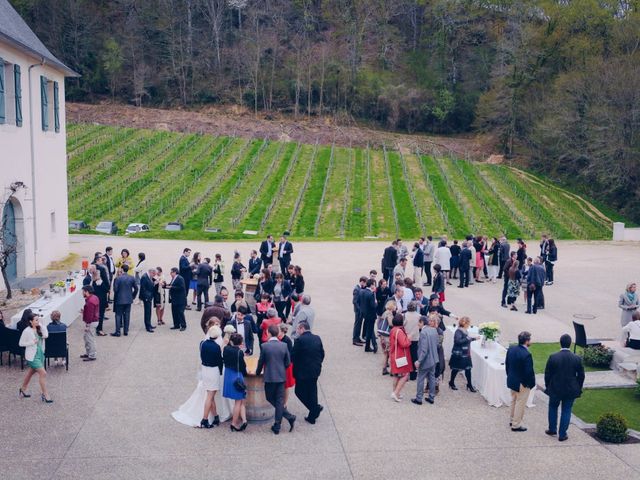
(556, 82)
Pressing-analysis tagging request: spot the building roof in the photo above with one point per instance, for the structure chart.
(15, 31)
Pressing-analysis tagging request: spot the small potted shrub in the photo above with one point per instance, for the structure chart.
(612, 427)
(598, 356)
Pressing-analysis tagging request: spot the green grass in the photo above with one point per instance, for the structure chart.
(316, 192)
(594, 403)
(542, 351)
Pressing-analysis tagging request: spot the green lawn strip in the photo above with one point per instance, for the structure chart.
(347, 197)
(499, 218)
(356, 219)
(333, 204)
(542, 351)
(595, 402)
(205, 215)
(372, 221)
(407, 219)
(584, 225)
(536, 204)
(115, 189)
(87, 151)
(383, 223)
(169, 185)
(270, 191)
(113, 161)
(432, 217)
(225, 160)
(245, 193)
(97, 151)
(280, 217)
(458, 225)
(186, 154)
(310, 202)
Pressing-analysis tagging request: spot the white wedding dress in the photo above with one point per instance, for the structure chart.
(190, 412)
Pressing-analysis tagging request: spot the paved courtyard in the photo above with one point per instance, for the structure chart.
(111, 418)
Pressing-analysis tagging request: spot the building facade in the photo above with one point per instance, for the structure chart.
(33, 157)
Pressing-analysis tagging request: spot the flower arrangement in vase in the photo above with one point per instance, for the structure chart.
(489, 331)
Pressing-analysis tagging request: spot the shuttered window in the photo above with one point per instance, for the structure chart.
(18, 89)
(3, 115)
(56, 107)
(44, 103)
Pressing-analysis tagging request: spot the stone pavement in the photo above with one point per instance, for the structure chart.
(111, 418)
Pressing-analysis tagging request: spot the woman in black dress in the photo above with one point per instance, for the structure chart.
(461, 354)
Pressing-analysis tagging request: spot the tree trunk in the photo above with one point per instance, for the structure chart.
(6, 283)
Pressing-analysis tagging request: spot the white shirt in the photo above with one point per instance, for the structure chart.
(240, 329)
(406, 298)
(633, 329)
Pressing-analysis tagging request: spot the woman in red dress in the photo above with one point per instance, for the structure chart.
(399, 356)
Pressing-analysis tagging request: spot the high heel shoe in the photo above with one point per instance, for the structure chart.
(22, 394)
(471, 389)
(234, 429)
(45, 399)
(244, 426)
(216, 421)
(452, 386)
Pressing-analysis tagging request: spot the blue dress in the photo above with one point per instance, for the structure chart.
(229, 390)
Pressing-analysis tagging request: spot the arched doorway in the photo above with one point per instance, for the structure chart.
(13, 237)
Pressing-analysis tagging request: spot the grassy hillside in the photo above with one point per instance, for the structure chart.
(315, 191)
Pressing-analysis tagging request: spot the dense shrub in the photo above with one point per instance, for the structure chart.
(598, 356)
(612, 427)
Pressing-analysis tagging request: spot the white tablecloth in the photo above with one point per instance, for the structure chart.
(489, 376)
(69, 307)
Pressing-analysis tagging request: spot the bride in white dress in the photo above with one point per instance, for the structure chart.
(190, 412)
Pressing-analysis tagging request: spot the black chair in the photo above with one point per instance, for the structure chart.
(581, 338)
(56, 346)
(4, 341)
(14, 348)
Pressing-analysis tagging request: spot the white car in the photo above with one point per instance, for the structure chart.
(136, 228)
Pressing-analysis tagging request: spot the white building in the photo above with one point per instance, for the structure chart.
(33, 150)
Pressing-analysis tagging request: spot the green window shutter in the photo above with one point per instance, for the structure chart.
(3, 115)
(18, 90)
(44, 104)
(56, 107)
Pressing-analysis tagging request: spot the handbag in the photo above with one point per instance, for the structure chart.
(238, 383)
(400, 361)
(383, 327)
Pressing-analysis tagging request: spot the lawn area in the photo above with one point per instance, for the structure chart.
(542, 351)
(594, 403)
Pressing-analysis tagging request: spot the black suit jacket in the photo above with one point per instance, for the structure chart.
(147, 288)
(390, 257)
(285, 251)
(254, 266)
(367, 304)
(264, 250)
(204, 273)
(465, 259)
(519, 367)
(250, 328)
(177, 291)
(185, 269)
(124, 290)
(564, 375)
(307, 356)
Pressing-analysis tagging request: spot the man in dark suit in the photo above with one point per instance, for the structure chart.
(367, 306)
(177, 299)
(505, 285)
(563, 379)
(464, 265)
(245, 326)
(124, 291)
(274, 358)
(285, 249)
(505, 250)
(266, 250)
(101, 289)
(389, 260)
(307, 358)
(204, 274)
(535, 280)
(357, 324)
(110, 264)
(521, 378)
(255, 264)
(147, 289)
(186, 273)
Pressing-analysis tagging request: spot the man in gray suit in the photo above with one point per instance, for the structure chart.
(124, 291)
(427, 361)
(274, 357)
(303, 313)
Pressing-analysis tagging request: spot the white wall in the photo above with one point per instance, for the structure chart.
(621, 233)
(46, 191)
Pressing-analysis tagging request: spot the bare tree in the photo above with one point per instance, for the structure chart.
(8, 242)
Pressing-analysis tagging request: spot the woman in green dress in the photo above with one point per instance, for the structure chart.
(32, 339)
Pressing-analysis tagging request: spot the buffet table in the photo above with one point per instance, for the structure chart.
(68, 305)
(488, 375)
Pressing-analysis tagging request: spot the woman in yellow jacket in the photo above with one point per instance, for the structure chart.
(125, 259)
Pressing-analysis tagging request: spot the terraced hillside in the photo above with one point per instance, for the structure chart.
(314, 191)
